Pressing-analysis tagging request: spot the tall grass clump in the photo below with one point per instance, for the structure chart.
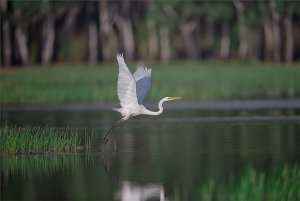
(88, 141)
(31, 139)
(40, 165)
(283, 184)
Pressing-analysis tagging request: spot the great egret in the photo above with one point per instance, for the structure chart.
(132, 90)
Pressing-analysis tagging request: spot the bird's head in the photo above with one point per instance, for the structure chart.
(171, 98)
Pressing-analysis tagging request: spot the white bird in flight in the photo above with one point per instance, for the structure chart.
(132, 90)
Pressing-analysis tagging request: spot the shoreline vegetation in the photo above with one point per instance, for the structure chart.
(281, 184)
(208, 80)
(37, 140)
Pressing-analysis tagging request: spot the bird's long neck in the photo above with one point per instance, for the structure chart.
(148, 112)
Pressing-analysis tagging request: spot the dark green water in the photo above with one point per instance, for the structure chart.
(169, 156)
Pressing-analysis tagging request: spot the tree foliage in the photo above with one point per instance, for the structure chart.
(61, 31)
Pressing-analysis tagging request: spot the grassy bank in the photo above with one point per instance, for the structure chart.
(15, 140)
(191, 80)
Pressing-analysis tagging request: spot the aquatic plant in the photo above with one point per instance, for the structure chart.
(32, 139)
(281, 184)
(40, 166)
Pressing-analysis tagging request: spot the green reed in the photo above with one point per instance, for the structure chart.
(282, 184)
(32, 139)
(44, 165)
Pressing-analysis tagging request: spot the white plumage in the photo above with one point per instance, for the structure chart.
(131, 92)
(126, 84)
(141, 72)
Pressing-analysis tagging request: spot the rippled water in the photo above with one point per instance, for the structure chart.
(169, 156)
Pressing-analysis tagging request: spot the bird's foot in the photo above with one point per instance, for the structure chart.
(102, 146)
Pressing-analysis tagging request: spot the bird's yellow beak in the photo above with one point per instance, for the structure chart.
(175, 98)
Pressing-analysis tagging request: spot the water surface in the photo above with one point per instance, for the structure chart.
(169, 156)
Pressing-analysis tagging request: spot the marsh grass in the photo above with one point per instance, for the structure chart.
(31, 139)
(88, 141)
(208, 80)
(282, 184)
(45, 165)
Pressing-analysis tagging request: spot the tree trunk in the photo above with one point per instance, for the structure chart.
(268, 38)
(153, 40)
(93, 33)
(276, 32)
(165, 52)
(243, 46)
(127, 37)
(6, 35)
(21, 39)
(225, 41)
(71, 18)
(107, 35)
(254, 45)
(93, 42)
(289, 47)
(209, 35)
(6, 44)
(48, 37)
(186, 30)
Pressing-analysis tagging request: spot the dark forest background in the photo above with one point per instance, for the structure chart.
(44, 31)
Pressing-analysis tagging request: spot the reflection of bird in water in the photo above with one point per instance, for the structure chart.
(132, 90)
(134, 192)
(106, 166)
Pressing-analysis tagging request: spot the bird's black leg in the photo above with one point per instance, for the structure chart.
(109, 132)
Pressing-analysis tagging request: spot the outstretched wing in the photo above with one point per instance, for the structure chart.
(126, 84)
(142, 77)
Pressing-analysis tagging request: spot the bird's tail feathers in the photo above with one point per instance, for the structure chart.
(117, 109)
(121, 110)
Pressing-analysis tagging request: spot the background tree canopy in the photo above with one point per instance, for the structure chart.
(62, 31)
